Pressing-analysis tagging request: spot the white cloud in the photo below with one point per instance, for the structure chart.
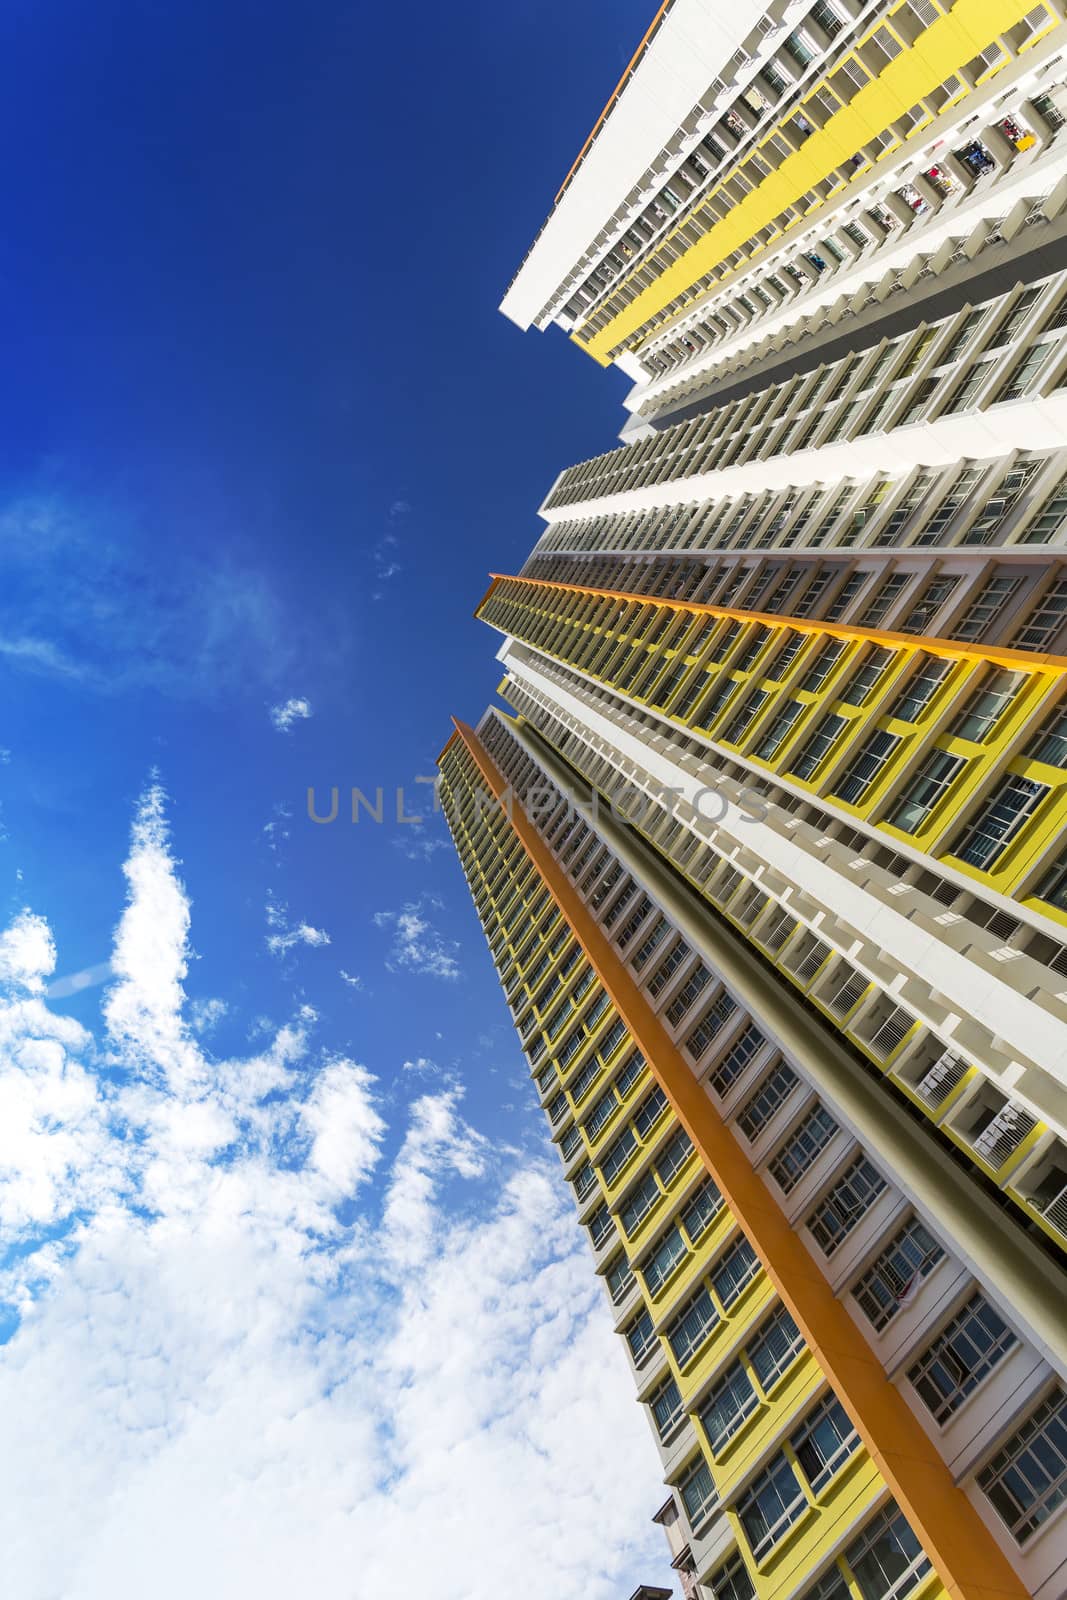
(285, 934)
(351, 979)
(437, 1142)
(27, 953)
(143, 1010)
(247, 1366)
(421, 1064)
(205, 1015)
(275, 831)
(289, 711)
(417, 945)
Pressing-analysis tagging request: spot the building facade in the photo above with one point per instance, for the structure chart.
(769, 842)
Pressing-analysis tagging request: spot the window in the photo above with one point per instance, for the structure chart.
(802, 1148)
(773, 1091)
(732, 1582)
(570, 1144)
(1047, 524)
(711, 707)
(887, 1560)
(963, 336)
(985, 706)
(735, 1270)
(841, 1208)
(894, 1277)
(845, 596)
(863, 680)
(698, 1495)
(929, 603)
(617, 1155)
(1022, 375)
(1049, 744)
(610, 1042)
(825, 1442)
(963, 1353)
(985, 608)
(675, 1154)
(770, 1506)
(878, 607)
(667, 968)
(925, 791)
(698, 979)
(630, 1074)
(584, 1181)
(601, 1227)
(710, 1024)
(618, 1278)
(687, 1332)
(638, 1203)
(729, 1403)
(866, 766)
(600, 1115)
(1004, 812)
(920, 688)
(739, 725)
(814, 752)
(969, 386)
(702, 1210)
(660, 1265)
(1040, 629)
(775, 1348)
(736, 1059)
(647, 946)
(824, 663)
(633, 922)
(649, 1112)
(641, 1336)
(585, 1080)
(1012, 323)
(831, 1586)
(1052, 885)
(777, 731)
(665, 1403)
(1027, 1477)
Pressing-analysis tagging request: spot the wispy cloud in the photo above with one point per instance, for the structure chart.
(236, 1314)
(351, 979)
(290, 711)
(205, 1015)
(275, 831)
(85, 598)
(75, 982)
(417, 845)
(421, 1065)
(385, 551)
(437, 1142)
(285, 935)
(417, 946)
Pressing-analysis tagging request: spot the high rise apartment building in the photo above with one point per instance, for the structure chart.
(769, 845)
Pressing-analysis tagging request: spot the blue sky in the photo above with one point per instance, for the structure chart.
(264, 433)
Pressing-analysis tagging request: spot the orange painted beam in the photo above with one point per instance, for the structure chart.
(1026, 659)
(449, 742)
(969, 1561)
